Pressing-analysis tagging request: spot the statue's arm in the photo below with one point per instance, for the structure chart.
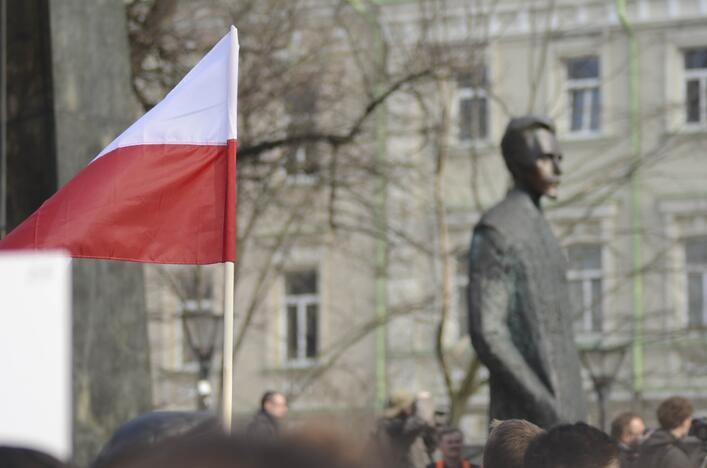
(490, 292)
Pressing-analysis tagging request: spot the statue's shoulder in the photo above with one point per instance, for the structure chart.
(507, 216)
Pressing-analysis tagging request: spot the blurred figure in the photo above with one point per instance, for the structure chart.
(507, 443)
(146, 430)
(17, 457)
(669, 446)
(572, 445)
(450, 442)
(224, 451)
(398, 431)
(628, 430)
(266, 422)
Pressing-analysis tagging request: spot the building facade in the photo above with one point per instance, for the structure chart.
(349, 306)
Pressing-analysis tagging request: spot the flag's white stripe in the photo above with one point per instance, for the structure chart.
(233, 86)
(194, 112)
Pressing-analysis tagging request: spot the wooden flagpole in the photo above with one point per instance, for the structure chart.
(228, 327)
(229, 268)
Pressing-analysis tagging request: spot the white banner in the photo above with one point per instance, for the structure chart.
(35, 351)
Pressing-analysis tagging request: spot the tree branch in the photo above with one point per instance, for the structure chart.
(248, 152)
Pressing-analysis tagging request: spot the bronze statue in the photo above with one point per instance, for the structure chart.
(520, 318)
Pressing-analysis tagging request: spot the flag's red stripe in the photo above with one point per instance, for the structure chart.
(229, 246)
(146, 203)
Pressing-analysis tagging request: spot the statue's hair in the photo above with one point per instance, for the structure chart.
(518, 139)
(507, 443)
(577, 445)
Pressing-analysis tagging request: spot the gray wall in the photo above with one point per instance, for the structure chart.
(93, 102)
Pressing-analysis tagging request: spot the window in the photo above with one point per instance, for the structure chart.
(472, 104)
(301, 160)
(585, 283)
(301, 316)
(696, 86)
(696, 269)
(583, 90)
(302, 163)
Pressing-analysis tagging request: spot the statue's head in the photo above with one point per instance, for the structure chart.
(533, 155)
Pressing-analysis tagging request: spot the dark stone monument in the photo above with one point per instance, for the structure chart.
(69, 95)
(520, 318)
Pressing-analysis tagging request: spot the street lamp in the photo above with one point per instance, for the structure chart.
(602, 361)
(201, 328)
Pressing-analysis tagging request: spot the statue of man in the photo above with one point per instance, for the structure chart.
(520, 318)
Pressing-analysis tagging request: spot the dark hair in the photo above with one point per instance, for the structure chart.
(146, 430)
(508, 442)
(20, 457)
(621, 423)
(673, 412)
(577, 445)
(228, 451)
(518, 139)
(448, 430)
(267, 396)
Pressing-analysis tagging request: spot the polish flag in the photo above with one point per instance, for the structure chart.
(164, 191)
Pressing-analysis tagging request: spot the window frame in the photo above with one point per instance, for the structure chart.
(586, 277)
(470, 93)
(691, 74)
(300, 114)
(301, 154)
(678, 42)
(301, 302)
(695, 268)
(683, 218)
(586, 86)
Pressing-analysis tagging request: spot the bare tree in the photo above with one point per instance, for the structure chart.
(312, 81)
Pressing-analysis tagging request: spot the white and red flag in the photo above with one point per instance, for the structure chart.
(164, 191)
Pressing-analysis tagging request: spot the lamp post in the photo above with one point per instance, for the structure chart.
(201, 328)
(603, 361)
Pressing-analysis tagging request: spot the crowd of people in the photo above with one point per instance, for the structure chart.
(407, 435)
(669, 446)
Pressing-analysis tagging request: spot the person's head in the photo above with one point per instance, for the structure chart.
(20, 457)
(628, 428)
(532, 154)
(450, 441)
(675, 415)
(147, 430)
(507, 443)
(274, 403)
(401, 403)
(233, 451)
(572, 445)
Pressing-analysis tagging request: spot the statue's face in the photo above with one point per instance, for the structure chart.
(543, 176)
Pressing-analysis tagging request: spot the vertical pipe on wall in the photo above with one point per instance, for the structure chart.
(380, 209)
(636, 222)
